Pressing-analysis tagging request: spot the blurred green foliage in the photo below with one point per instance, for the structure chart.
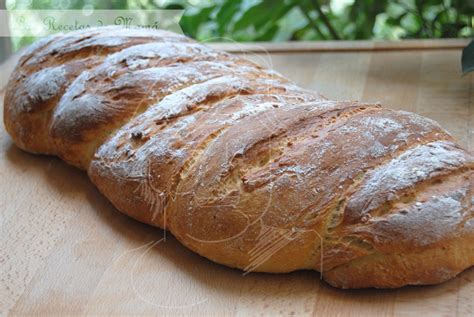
(467, 59)
(267, 20)
(282, 20)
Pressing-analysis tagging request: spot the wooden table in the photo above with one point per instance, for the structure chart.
(65, 250)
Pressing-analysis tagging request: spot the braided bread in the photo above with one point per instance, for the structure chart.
(244, 167)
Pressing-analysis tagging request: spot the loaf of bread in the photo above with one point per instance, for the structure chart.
(243, 166)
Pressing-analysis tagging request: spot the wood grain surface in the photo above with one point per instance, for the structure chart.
(64, 250)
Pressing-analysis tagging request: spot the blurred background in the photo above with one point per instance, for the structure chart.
(289, 20)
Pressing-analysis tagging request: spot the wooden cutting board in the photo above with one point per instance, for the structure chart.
(65, 250)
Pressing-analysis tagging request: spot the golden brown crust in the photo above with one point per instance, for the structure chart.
(244, 167)
(49, 66)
